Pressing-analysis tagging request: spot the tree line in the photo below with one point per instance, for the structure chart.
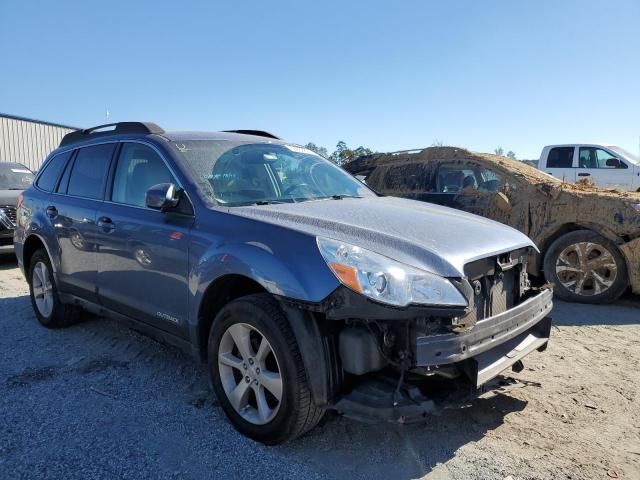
(343, 154)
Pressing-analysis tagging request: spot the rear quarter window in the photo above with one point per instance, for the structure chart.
(51, 172)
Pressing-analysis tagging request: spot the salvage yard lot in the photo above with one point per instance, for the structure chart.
(98, 400)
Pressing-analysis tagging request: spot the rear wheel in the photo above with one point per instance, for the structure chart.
(585, 267)
(257, 371)
(44, 294)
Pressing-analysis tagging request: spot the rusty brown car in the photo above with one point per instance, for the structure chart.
(588, 237)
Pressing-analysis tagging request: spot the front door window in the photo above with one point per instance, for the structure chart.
(592, 157)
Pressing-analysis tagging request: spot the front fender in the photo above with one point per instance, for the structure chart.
(290, 267)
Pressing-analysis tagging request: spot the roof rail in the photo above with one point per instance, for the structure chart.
(257, 133)
(413, 150)
(118, 128)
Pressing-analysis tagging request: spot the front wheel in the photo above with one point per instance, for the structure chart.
(585, 267)
(257, 371)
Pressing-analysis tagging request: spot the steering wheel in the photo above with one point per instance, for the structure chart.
(293, 188)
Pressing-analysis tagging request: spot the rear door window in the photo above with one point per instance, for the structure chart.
(49, 177)
(560, 157)
(90, 171)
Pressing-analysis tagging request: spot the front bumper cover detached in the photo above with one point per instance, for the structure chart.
(494, 343)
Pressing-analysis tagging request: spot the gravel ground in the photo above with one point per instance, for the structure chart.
(98, 400)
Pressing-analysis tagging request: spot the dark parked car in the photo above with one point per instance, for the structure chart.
(14, 178)
(589, 237)
(301, 288)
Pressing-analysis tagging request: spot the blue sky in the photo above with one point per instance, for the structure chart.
(387, 75)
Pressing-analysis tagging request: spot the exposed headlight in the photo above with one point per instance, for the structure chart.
(386, 280)
(635, 206)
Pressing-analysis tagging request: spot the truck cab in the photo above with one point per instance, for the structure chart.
(606, 166)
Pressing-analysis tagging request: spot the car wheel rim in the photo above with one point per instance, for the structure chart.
(142, 258)
(586, 269)
(42, 289)
(250, 373)
(76, 240)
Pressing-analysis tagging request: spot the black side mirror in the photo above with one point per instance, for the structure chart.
(613, 162)
(163, 196)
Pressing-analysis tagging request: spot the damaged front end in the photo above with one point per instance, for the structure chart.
(399, 364)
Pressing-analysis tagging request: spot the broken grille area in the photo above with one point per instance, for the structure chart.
(496, 284)
(494, 294)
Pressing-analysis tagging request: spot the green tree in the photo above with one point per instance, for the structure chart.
(511, 154)
(340, 154)
(343, 154)
(317, 149)
(499, 151)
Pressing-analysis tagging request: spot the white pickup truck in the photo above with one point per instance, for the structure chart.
(607, 166)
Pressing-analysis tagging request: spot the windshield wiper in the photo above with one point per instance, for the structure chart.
(268, 202)
(340, 197)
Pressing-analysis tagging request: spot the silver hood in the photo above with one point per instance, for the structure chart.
(438, 239)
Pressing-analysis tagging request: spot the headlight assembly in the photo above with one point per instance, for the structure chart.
(385, 280)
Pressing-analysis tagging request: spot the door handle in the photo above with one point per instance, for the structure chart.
(52, 211)
(584, 174)
(106, 223)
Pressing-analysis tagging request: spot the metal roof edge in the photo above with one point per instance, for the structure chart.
(33, 120)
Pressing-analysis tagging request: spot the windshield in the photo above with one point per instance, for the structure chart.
(628, 155)
(238, 173)
(15, 177)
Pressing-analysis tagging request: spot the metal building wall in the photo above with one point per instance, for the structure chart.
(28, 141)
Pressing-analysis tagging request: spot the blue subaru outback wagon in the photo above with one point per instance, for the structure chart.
(302, 289)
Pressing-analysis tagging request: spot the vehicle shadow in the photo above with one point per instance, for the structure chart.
(623, 312)
(109, 358)
(342, 448)
(7, 259)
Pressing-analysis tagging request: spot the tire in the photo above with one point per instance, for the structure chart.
(51, 313)
(600, 277)
(256, 318)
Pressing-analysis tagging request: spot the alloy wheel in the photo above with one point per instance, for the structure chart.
(250, 374)
(586, 268)
(42, 289)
